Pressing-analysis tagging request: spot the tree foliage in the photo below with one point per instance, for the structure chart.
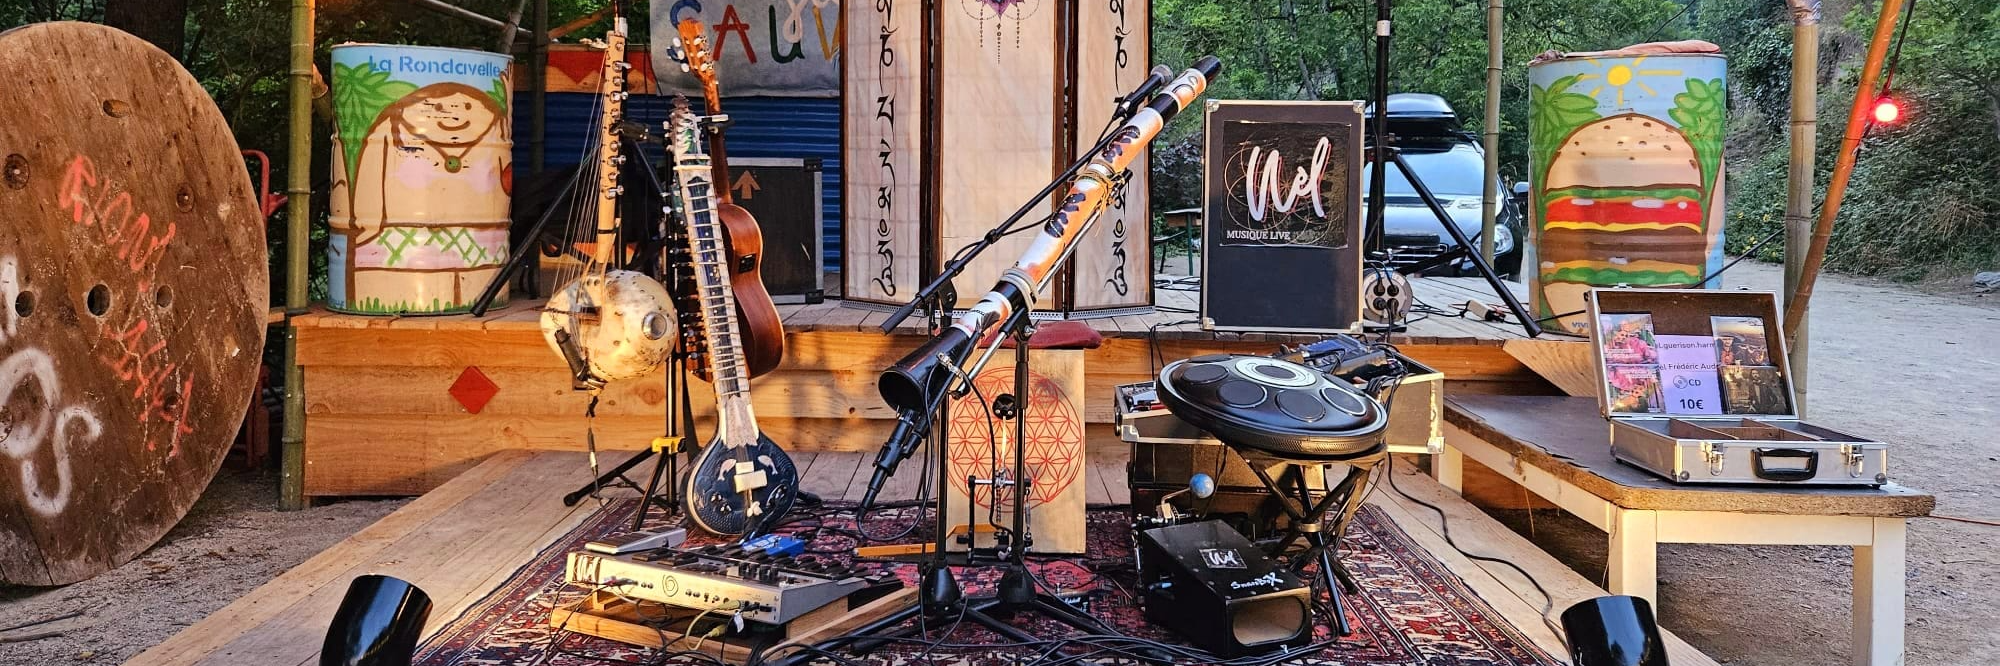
(1921, 197)
(1921, 202)
(1324, 50)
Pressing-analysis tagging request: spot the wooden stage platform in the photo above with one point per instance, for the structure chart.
(382, 417)
(463, 539)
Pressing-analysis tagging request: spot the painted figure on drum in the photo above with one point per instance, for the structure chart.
(420, 196)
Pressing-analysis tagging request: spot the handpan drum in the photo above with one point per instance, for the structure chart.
(133, 291)
(1272, 408)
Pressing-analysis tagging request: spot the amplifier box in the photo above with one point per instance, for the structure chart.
(1209, 584)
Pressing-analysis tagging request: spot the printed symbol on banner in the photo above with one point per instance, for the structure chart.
(746, 186)
(1222, 558)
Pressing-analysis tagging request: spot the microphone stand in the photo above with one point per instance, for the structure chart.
(940, 595)
(1382, 146)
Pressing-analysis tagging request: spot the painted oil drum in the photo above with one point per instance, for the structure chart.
(422, 169)
(1625, 160)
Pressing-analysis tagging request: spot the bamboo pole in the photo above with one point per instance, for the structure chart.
(1843, 168)
(1489, 201)
(1799, 177)
(298, 222)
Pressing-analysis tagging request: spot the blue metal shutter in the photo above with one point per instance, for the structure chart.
(796, 127)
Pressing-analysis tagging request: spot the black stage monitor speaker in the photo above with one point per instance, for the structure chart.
(378, 623)
(1207, 583)
(1614, 631)
(784, 194)
(1281, 217)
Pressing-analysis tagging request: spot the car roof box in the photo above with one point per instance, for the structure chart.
(1420, 114)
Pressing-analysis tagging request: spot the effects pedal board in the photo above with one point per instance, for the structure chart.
(632, 542)
(767, 585)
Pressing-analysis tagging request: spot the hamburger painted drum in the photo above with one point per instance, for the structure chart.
(1625, 158)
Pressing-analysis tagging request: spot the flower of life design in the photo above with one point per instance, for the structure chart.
(1055, 439)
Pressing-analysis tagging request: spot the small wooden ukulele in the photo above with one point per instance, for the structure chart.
(762, 330)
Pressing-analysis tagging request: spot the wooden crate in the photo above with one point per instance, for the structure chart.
(943, 141)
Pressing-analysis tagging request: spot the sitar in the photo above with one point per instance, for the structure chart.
(762, 330)
(742, 481)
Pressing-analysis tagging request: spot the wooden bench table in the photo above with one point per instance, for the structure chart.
(1559, 448)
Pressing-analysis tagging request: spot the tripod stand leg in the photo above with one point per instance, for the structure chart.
(1332, 576)
(652, 485)
(874, 634)
(606, 478)
(1532, 327)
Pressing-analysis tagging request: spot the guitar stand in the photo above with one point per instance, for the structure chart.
(669, 448)
(680, 411)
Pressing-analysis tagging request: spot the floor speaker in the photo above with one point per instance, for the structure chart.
(1209, 584)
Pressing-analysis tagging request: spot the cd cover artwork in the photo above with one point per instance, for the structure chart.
(1754, 389)
(1634, 389)
(1741, 341)
(1627, 339)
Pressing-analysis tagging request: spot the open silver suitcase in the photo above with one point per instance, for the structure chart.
(1752, 434)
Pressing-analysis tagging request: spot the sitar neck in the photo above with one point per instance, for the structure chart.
(727, 365)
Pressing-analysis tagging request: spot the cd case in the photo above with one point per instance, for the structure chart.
(1697, 389)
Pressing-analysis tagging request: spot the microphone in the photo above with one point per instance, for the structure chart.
(902, 444)
(1130, 103)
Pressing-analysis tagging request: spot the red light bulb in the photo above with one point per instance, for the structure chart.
(1887, 110)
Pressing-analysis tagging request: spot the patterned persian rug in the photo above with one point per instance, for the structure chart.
(1412, 611)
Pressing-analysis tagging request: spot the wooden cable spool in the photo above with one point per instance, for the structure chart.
(133, 274)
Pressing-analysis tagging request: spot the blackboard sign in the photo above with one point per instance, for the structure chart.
(1281, 227)
(784, 195)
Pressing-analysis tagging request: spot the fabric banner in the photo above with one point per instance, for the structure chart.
(774, 48)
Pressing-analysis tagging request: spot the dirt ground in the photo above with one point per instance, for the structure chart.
(1919, 371)
(233, 540)
(1913, 369)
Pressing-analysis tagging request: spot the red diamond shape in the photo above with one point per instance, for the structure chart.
(473, 390)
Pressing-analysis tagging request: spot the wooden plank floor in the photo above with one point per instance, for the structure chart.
(464, 538)
(1172, 320)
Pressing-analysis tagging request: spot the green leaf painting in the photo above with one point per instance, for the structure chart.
(1613, 275)
(1553, 113)
(360, 93)
(498, 91)
(1700, 114)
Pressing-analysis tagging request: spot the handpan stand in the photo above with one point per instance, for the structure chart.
(1278, 413)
